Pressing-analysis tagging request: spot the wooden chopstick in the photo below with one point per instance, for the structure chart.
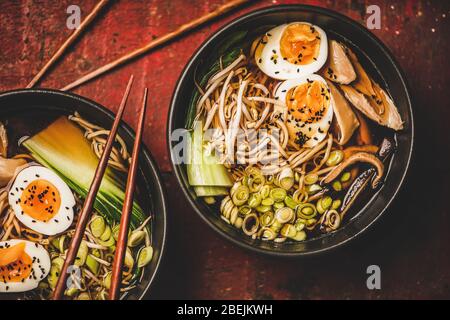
(122, 239)
(157, 42)
(68, 42)
(90, 198)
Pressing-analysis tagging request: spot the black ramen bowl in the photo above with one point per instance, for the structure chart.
(379, 63)
(28, 109)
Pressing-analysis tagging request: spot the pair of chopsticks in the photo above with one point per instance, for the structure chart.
(85, 213)
(129, 56)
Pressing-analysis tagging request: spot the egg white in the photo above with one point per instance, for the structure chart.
(283, 69)
(40, 267)
(62, 220)
(309, 129)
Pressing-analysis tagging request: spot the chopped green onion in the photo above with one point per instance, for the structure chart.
(323, 204)
(288, 230)
(311, 178)
(300, 236)
(278, 205)
(314, 188)
(268, 202)
(346, 176)
(306, 211)
(284, 215)
(262, 209)
(254, 200)
(337, 186)
(239, 194)
(335, 158)
(291, 203)
(144, 256)
(278, 194)
(336, 204)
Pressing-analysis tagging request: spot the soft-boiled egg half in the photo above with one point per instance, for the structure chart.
(41, 200)
(292, 50)
(310, 109)
(23, 264)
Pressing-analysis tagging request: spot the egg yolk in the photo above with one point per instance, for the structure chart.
(40, 200)
(15, 263)
(300, 44)
(308, 102)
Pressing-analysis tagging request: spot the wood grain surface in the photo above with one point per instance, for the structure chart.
(411, 244)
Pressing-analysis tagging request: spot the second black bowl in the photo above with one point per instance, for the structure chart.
(375, 55)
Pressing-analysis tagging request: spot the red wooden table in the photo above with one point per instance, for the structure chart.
(411, 245)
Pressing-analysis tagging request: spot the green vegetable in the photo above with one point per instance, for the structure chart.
(254, 200)
(336, 204)
(286, 178)
(265, 191)
(288, 230)
(106, 234)
(203, 169)
(84, 296)
(92, 264)
(300, 224)
(267, 202)
(108, 243)
(278, 205)
(63, 148)
(210, 191)
(144, 256)
(136, 238)
(311, 178)
(266, 219)
(337, 185)
(306, 211)
(278, 194)
(71, 292)
(209, 200)
(98, 226)
(335, 158)
(244, 210)
(300, 236)
(239, 194)
(323, 204)
(107, 280)
(255, 179)
(284, 215)
(263, 209)
(291, 203)
(83, 251)
(313, 188)
(346, 176)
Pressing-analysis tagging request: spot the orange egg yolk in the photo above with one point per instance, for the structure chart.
(308, 102)
(300, 44)
(40, 200)
(15, 264)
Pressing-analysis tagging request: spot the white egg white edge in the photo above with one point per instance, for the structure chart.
(62, 220)
(284, 88)
(40, 267)
(285, 69)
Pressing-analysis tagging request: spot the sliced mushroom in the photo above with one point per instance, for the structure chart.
(8, 168)
(339, 68)
(358, 157)
(363, 82)
(389, 118)
(346, 119)
(3, 141)
(369, 148)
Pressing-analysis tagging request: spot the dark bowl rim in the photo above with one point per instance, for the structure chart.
(145, 151)
(235, 22)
